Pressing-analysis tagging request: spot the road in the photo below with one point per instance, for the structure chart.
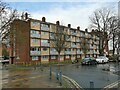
(84, 74)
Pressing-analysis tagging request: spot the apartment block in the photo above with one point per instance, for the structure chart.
(31, 42)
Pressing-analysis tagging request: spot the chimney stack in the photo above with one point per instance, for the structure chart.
(26, 15)
(57, 23)
(78, 28)
(92, 30)
(86, 30)
(43, 19)
(69, 25)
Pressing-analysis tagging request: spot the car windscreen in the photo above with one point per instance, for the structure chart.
(86, 59)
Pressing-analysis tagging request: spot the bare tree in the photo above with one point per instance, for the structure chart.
(59, 40)
(99, 21)
(7, 15)
(113, 27)
(85, 46)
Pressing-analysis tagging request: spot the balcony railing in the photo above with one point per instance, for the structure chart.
(91, 52)
(91, 47)
(77, 40)
(88, 52)
(44, 44)
(73, 46)
(67, 52)
(69, 39)
(79, 52)
(35, 35)
(53, 52)
(34, 52)
(95, 52)
(73, 33)
(51, 37)
(73, 52)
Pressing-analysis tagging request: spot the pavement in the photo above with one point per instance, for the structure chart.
(34, 77)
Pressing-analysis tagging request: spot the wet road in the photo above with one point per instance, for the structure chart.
(84, 74)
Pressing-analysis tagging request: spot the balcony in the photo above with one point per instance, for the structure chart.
(51, 37)
(35, 35)
(73, 33)
(91, 52)
(44, 27)
(91, 47)
(73, 52)
(95, 52)
(88, 52)
(44, 44)
(73, 46)
(34, 52)
(52, 52)
(67, 52)
(79, 52)
(77, 40)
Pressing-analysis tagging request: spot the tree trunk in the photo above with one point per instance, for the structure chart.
(113, 44)
(58, 61)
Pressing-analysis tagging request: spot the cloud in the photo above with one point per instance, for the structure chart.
(76, 15)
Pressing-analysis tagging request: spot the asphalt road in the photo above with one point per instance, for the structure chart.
(84, 74)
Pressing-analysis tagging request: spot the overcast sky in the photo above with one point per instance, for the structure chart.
(74, 12)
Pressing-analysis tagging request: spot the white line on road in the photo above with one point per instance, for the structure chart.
(112, 85)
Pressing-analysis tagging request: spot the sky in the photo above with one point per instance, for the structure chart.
(74, 12)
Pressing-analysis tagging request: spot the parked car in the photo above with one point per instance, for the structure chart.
(102, 59)
(89, 61)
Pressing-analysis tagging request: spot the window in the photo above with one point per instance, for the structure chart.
(44, 49)
(35, 40)
(34, 32)
(52, 49)
(43, 33)
(35, 49)
(78, 56)
(34, 57)
(44, 27)
(35, 24)
(53, 57)
(52, 35)
(44, 41)
(67, 56)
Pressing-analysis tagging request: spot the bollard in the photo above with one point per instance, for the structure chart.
(57, 74)
(91, 85)
(60, 78)
(41, 67)
(50, 72)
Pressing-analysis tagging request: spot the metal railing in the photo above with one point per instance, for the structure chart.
(34, 52)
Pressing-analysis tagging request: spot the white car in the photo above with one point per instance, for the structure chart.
(102, 59)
